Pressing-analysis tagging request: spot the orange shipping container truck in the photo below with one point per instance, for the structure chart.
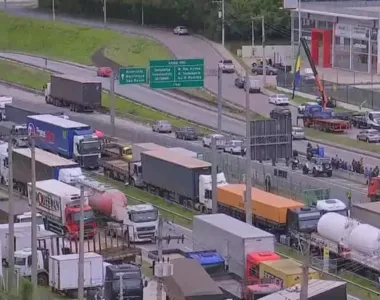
(266, 207)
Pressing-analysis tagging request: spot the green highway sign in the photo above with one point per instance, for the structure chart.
(181, 73)
(132, 75)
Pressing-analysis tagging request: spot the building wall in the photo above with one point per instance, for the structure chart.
(354, 44)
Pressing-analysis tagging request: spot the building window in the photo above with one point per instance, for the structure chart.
(342, 52)
(360, 55)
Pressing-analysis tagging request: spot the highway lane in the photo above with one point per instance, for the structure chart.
(233, 166)
(201, 115)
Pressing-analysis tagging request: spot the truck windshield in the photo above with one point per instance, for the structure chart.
(144, 216)
(20, 261)
(343, 212)
(131, 284)
(88, 216)
(89, 146)
(307, 224)
(21, 132)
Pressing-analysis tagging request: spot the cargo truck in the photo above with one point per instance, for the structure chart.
(79, 93)
(164, 173)
(63, 272)
(112, 147)
(284, 272)
(317, 290)
(137, 149)
(368, 213)
(48, 166)
(136, 223)
(271, 212)
(19, 110)
(18, 132)
(128, 276)
(59, 204)
(66, 138)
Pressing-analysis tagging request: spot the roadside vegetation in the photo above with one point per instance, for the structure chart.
(75, 43)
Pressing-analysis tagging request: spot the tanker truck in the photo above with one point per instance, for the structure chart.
(138, 222)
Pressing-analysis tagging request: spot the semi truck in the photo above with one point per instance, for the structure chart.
(137, 223)
(164, 172)
(19, 110)
(18, 132)
(48, 166)
(63, 272)
(79, 93)
(59, 204)
(66, 138)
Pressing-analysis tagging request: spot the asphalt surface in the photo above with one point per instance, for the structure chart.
(233, 166)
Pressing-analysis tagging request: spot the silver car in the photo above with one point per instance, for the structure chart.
(234, 146)
(162, 126)
(181, 30)
(298, 133)
(369, 136)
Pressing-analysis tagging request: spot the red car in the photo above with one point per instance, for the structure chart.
(104, 72)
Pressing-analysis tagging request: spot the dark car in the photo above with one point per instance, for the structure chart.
(239, 82)
(259, 70)
(278, 113)
(282, 67)
(186, 133)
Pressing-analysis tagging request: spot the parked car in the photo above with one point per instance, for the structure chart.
(186, 133)
(234, 147)
(277, 113)
(162, 126)
(302, 107)
(282, 67)
(219, 138)
(181, 30)
(240, 82)
(369, 136)
(259, 70)
(279, 99)
(298, 133)
(104, 72)
(227, 66)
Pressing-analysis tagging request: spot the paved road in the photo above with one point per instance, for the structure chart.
(233, 166)
(201, 115)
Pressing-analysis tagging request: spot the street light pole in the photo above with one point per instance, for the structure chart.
(105, 13)
(53, 8)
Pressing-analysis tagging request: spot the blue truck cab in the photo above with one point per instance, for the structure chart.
(66, 138)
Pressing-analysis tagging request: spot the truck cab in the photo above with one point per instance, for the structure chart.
(72, 215)
(23, 264)
(205, 190)
(140, 222)
(258, 291)
(26, 217)
(331, 205)
(373, 119)
(4, 168)
(254, 260)
(374, 189)
(304, 219)
(87, 150)
(124, 278)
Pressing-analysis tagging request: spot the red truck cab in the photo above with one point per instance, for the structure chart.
(72, 216)
(253, 263)
(374, 189)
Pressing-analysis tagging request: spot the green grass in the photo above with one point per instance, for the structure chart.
(26, 76)
(280, 249)
(75, 43)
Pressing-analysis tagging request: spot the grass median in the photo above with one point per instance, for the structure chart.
(179, 214)
(75, 43)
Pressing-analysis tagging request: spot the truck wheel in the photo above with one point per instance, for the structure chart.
(43, 279)
(315, 173)
(329, 174)
(126, 237)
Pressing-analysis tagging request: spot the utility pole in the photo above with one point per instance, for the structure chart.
(81, 247)
(11, 249)
(214, 176)
(248, 172)
(34, 212)
(264, 56)
(5, 4)
(112, 102)
(299, 22)
(121, 289)
(142, 12)
(221, 16)
(160, 239)
(220, 99)
(305, 273)
(253, 33)
(105, 13)
(53, 8)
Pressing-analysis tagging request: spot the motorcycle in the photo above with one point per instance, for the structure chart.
(295, 163)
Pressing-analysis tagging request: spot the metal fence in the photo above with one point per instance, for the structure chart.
(346, 93)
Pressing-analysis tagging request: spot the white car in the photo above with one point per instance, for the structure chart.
(181, 30)
(227, 66)
(302, 107)
(279, 99)
(234, 147)
(219, 138)
(298, 133)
